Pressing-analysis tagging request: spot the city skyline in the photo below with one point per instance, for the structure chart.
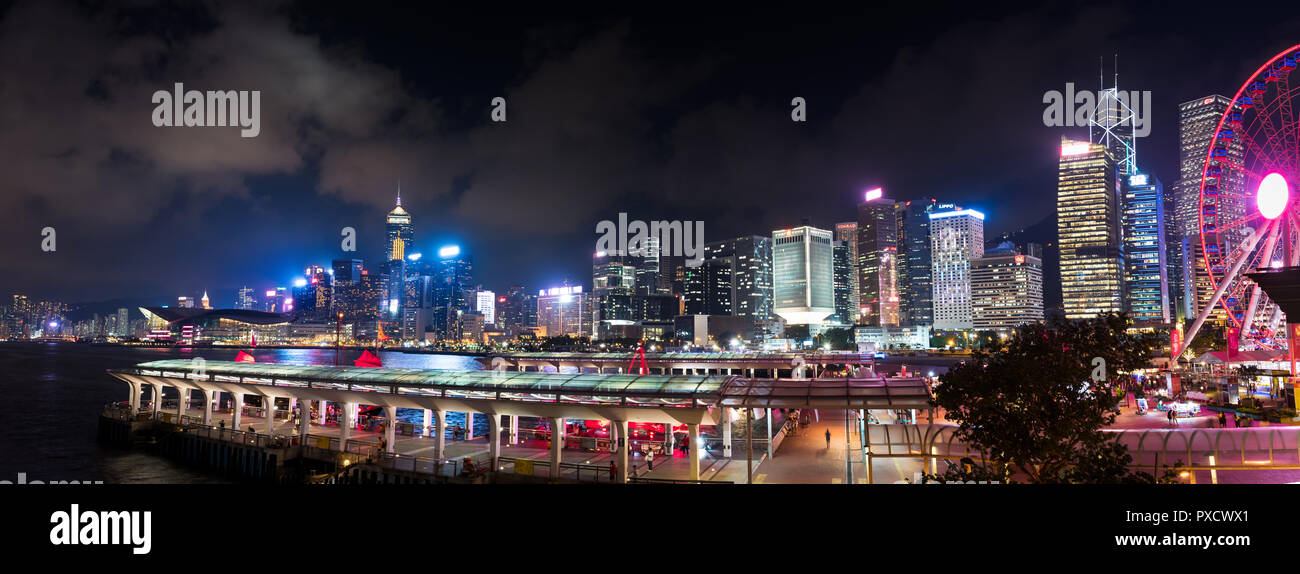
(171, 223)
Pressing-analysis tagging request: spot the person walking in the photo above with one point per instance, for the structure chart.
(613, 471)
(828, 438)
(650, 460)
(1223, 420)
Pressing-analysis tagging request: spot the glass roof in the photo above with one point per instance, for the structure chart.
(731, 391)
(684, 356)
(586, 383)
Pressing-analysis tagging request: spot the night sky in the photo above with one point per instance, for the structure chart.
(670, 113)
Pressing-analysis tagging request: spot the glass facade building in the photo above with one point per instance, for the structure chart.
(877, 253)
(1145, 273)
(1088, 229)
(956, 238)
(803, 275)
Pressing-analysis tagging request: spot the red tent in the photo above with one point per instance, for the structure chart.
(368, 359)
(243, 357)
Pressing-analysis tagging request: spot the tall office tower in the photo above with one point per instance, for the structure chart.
(1088, 228)
(1145, 276)
(956, 238)
(400, 231)
(749, 264)
(843, 271)
(846, 234)
(393, 275)
(614, 280)
(803, 282)
(877, 261)
(647, 266)
(487, 306)
(561, 311)
(672, 274)
(314, 294)
(122, 327)
(205, 302)
(511, 308)
(1197, 121)
(1112, 126)
(916, 291)
(370, 292)
(185, 302)
(454, 276)
(347, 271)
(1006, 289)
(245, 299)
(709, 288)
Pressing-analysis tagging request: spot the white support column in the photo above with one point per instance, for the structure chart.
(320, 412)
(621, 458)
(726, 432)
(181, 399)
(557, 443)
(268, 411)
(770, 452)
(670, 441)
(345, 425)
(694, 431)
(304, 421)
(514, 429)
(236, 410)
(439, 437)
(157, 399)
(428, 423)
(469, 425)
(135, 398)
(390, 429)
(207, 407)
(494, 440)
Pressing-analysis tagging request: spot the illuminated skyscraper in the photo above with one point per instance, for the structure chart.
(1088, 226)
(848, 295)
(803, 274)
(956, 238)
(560, 310)
(1145, 274)
(877, 260)
(614, 280)
(748, 264)
(245, 299)
(400, 231)
(452, 280)
(1197, 121)
(915, 288)
(487, 305)
(1006, 289)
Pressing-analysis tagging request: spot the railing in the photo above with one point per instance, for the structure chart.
(568, 470)
(675, 481)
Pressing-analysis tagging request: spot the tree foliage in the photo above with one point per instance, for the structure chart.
(1035, 403)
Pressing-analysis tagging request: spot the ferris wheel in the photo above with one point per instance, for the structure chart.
(1247, 221)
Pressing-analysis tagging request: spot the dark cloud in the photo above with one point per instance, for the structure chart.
(660, 115)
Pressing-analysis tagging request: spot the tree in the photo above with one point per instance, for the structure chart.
(1035, 403)
(839, 339)
(797, 332)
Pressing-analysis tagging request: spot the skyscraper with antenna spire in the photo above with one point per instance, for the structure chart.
(400, 230)
(1113, 123)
